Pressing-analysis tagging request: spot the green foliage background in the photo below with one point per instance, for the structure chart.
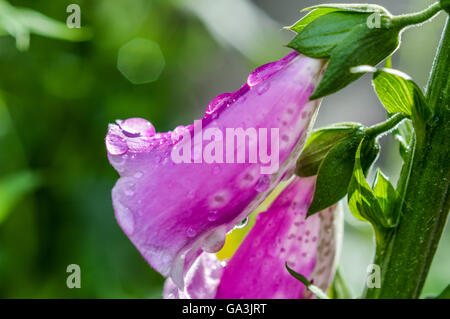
(56, 100)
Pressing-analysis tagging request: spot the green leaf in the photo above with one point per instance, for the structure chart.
(20, 22)
(445, 294)
(10, 24)
(369, 151)
(13, 188)
(358, 7)
(399, 94)
(320, 142)
(362, 46)
(361, 199)
(386, 196)
(334, 174)
(376, 206)
(402, 184)
(314, 289)
(310, 17)
(336, 169)
(388, 62)
(319, 37)
(445, 4)
(339, 289)
(42, 25)
(403, 133)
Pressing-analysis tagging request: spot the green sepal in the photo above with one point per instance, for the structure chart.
(386, 196)
(362, 46)
(310, 17)
(358, 7)
(403, 133)
(335, 170)
(370, 150)
(400, 94)
(319, 144)
(319, 37)
(375, 206)
(334, 174)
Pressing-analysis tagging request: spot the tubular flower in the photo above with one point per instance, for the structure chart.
(177, 197)
(257, 269)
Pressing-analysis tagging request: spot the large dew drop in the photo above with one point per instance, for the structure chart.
(116, 145)
(263, 72)
(135, 127)
(214, 242)
(217, 102)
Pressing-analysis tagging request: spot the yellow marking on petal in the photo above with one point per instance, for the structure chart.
(236, 237)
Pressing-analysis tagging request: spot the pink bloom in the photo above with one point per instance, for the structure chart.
(257, 269)
(172, 210)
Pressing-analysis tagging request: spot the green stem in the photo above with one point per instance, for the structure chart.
(385, 126)
(405, 20)
(406, 257)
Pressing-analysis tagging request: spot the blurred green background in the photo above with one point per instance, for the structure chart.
(163, 60)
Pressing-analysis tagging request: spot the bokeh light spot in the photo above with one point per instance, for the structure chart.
(140, 61)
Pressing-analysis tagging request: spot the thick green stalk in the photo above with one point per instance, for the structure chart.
(406, 257)
(384, 127)
(417, 17)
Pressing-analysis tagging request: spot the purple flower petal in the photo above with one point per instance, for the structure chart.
(201, 280)
(283, 234)
(257, 269)
(173, 209)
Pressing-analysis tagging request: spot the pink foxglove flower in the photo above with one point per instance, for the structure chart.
(257, 269)
(180, 192)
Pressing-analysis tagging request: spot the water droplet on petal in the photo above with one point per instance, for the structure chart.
(217, 102)
(214, 242)
(262, 88)
(219, 199)
(263, 72)
(190, 232)
(117, 160)
(116, 145)
(138, 174)
(242, 224)
(129, 190)
(212, 216)
(178, 132)
(136, 127)
(263, 184)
